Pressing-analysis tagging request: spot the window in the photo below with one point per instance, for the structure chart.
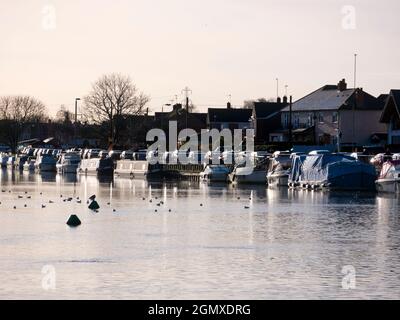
(286, 120)
(310, 120)
(335, 117)
(320, 117)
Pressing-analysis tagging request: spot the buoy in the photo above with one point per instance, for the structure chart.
(74, 221)
(94, 205)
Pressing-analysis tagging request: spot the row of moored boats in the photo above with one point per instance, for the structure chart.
(315, 170)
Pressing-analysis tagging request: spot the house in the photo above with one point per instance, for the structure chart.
(391, 117)
(184, 118)
(266, 118)
(335, 115)
(229, 118)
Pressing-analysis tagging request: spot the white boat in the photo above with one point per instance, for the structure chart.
(131, 169)
(96, 166)
(69, 163)
(215, 173)
(254, 174)
(46, 163)
(10, 162)
(279, 169)
(29, 165)
(389, 179)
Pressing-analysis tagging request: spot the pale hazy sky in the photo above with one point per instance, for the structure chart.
(216, 47)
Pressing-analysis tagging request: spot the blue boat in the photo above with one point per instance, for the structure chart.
(331, 171)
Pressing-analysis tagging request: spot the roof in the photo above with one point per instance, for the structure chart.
(392, 106)
(229, 115)
(330, 98)
(326, 98)
(267, 109)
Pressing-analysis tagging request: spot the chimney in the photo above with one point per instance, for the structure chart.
(285, 100)
(228, 105)
(279, 100)
(342, 85)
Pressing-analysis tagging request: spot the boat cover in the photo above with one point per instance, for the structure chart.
(324, 167)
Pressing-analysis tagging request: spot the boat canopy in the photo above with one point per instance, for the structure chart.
(322, 167)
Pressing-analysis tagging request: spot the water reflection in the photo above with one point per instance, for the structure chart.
(159, 240)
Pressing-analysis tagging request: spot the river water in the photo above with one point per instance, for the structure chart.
(204, 241)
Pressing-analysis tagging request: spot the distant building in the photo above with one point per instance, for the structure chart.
(229, 118)
(185, 119)
(266, 118)
(335, 115)
(391, 117)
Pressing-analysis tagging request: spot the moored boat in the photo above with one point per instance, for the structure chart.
(46, 163)
(215, 173)
(331, 171)
(255, 173)
(96, 166)
(3, 160)
(389, 179)
(29, 165)
(69, 163)
(279, 169)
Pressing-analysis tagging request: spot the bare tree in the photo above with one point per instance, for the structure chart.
(248, 104)
(112, 96)
(16, 113)
(63, 115)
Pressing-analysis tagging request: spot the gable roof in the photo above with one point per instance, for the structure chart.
(392, 105)
(229, 115)
(326, 98)
(330, 98)
(263, 110)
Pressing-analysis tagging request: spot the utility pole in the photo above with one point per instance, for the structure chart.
(290, 122)
(186, 91)
(76, 118)
(277, 89)
(355, 101)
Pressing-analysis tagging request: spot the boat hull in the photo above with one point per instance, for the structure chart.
(278, 180)
(256, 177)
(388, 185)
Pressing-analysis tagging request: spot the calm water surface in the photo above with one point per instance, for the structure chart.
(285, 245)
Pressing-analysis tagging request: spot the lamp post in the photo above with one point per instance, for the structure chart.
(76, 109)
(76, 119)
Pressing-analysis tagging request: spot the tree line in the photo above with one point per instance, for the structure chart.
(111, 96)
